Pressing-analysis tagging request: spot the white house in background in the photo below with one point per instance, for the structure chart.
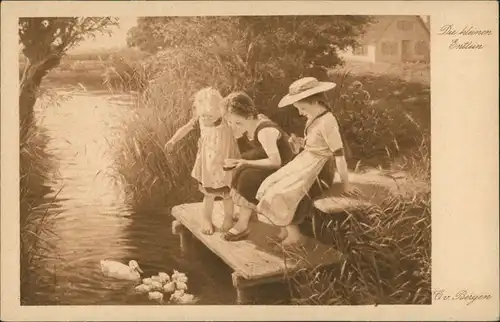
(393, 39)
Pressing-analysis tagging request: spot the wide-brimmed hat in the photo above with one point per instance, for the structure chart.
(303, 88)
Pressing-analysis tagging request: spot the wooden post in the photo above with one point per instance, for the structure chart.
(242, 296)
(179, 229)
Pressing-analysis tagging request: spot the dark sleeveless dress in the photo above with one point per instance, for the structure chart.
(247, 179)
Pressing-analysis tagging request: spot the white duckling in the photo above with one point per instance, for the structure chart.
(187, 299)
(164, 278)
(143, 288)
(181, 286)
(156, 278)
(179, 277)
(157, 286)
(176, 295)
(155, 296)
(176, 273)
(169, 287)
(147, 281)
(121, 271)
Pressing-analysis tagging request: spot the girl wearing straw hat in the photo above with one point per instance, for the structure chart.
(282, 192)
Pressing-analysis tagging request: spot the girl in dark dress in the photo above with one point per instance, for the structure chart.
(270, 151)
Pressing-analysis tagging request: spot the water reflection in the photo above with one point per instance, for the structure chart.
(96, 221)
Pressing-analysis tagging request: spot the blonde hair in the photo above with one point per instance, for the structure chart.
(208, 100)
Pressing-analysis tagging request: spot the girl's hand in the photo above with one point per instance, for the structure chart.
(169, 146)
(296, 142)
(234, 163)
(349, 190)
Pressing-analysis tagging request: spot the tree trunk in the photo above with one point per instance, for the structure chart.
(30, 84)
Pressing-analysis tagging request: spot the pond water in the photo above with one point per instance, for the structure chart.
(96, 220)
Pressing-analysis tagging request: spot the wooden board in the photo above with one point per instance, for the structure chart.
(257, 257)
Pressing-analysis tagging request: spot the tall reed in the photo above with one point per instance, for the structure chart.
(36, 213)
(150, 174)
(386, 247)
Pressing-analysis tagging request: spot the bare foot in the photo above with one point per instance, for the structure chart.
(207, 227)
(227, 223)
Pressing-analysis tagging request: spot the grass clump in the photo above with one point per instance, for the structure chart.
(387, 250)
(36, 213)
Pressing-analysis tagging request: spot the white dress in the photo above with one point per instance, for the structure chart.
(216, 144)
(280, 194)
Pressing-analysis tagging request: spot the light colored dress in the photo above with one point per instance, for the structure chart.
(280, 194)
(247, 179)
(216, 144)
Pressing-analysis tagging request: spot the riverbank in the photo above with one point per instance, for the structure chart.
(84, 69)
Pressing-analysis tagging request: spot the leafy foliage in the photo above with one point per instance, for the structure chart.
(260, 55)
(42, 37)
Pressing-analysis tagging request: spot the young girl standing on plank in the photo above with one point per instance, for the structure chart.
(216, 144)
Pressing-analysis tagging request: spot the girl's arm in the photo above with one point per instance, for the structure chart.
(332, 137)
(183, 131)
(342, 168)
(268, 138)
(297, 143)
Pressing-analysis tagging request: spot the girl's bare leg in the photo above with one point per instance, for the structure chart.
(207, 226)
(294, 236)
(228, 214)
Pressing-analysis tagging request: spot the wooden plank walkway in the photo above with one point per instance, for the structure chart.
(256, 260)
(259, 259)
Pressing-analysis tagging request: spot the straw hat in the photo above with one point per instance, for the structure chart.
(303, 88)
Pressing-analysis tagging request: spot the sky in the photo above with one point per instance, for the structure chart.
(117, 39)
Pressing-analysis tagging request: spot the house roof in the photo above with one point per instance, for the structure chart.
(381, 24)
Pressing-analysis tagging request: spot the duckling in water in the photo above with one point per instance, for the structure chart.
(157, 286)
(187, 299)
(179, 277)
(147, 281)
(164, 278)
(169, 287)
(143, 288)
(156, 278)
(121, 271)
(181, 286)
(155, 296)
(176, 295)
(181, 297)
